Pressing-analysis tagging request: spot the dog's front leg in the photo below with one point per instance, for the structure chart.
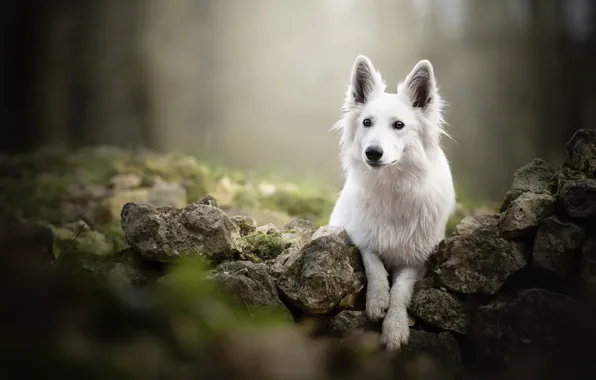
(377, 288)
(396, 329)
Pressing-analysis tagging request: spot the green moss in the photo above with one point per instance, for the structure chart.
(247, 225)
(115, 235)
(265, 246)
(76, 237)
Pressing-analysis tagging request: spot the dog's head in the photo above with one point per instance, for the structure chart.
(383, 129)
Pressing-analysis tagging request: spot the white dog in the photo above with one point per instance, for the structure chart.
(398, 192)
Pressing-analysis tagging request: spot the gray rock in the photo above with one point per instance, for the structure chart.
(165, 234)
(283, 261)
(581, 151)
(472, 222)
(578, 198)
(349, 321)
(442, 348)
(509, 327)
(439, 308)
(556, 245)
(534, 177)
(250, 284)
(326, 230)
(247, 224)
(208, 200)
(588, 262)
(135, 270)
(566, 174)
(268, 228)
(327, 269)
(525, 214)
(298, 233)
(479, 260)
(168, 195)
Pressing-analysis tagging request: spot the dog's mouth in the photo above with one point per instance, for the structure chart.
(377, 165)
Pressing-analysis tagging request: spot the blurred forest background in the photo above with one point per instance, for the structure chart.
(259, 83)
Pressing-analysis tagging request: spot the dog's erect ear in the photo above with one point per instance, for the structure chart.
(365, 80)
(421, 85)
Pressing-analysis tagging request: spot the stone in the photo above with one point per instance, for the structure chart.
(267, 228)
(441, 347)
(208, 200)
(250, 284)
(534, 177)
(326, 231)
(348, 321)
(567, 174)
(167, 195)
(507, 328)
(135, 269)
(588, 262)
(439, 309)
(114, 203)
(578, 198)
(470, 223)
(247, 224)
(165, 234)
(283, 261)
(298, 233)
(478, 260)
(556, 245)
(581, 151)
(328, 269)
(262, 216)
(525, 214)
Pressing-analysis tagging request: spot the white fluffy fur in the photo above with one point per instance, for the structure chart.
(395, 214)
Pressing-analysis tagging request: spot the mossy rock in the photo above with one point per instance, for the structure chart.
(77, 237)
(265, 245)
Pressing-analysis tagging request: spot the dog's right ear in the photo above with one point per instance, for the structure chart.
(365, 82)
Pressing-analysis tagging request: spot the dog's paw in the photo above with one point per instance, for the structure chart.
(377, 303)
(396, 332)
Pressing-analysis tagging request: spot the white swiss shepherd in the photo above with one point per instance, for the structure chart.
(398, 192)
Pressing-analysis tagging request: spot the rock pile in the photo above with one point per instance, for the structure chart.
(503, 286)
(505, 283)
(498, 288)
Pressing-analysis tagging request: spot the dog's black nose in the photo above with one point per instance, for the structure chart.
(374, 153)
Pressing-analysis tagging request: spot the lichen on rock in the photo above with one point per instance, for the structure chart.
(251, 285)
(327, 269)
(477, 260)
(166, 234)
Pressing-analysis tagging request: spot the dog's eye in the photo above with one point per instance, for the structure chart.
(398, 125)
(366, 122)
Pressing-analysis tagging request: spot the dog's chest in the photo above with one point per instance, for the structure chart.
(396, 226)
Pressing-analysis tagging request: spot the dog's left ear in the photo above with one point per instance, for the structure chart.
(421, 85)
